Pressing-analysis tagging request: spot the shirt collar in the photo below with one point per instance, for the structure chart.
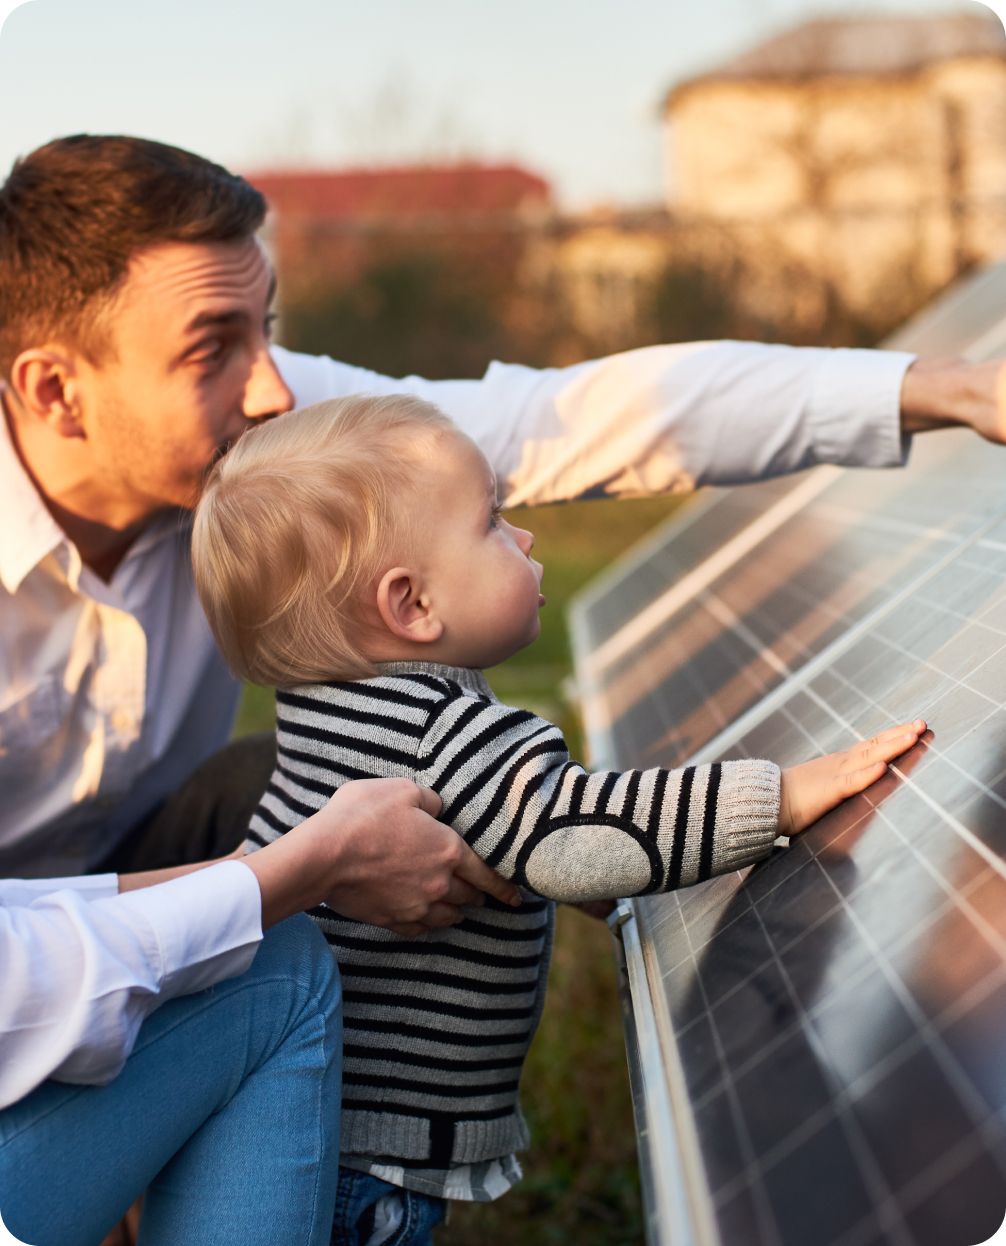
(27, 531)
(466, 676)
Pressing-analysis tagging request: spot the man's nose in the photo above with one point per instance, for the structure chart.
(266, 393)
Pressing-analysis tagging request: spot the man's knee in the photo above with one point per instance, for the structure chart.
(297, 948)
(292, 980)
(294, 983)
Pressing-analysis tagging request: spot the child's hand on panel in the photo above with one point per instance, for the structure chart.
(809, 791)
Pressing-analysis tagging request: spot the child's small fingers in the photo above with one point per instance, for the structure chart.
(889, 744)
(915, 728)
(860, 780)
(893, 747)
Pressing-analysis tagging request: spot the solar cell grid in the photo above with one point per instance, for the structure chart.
(839, 1016)
(689, 653)
(706, 521)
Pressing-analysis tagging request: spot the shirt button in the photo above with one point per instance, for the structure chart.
(122, 720)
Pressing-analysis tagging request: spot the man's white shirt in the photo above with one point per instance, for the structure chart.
(111, 694)
(83, 966)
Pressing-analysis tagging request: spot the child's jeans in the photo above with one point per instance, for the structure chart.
(371, 1212)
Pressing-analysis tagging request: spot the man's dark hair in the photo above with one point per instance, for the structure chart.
(75, 211)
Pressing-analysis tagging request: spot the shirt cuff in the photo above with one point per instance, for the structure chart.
(21, 892)
(855, 408)
(208, 925)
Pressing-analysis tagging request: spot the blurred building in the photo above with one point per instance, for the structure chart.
(863, 159)
(327, 227)
(820, 188)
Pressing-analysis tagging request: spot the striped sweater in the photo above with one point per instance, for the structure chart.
(437, 1027)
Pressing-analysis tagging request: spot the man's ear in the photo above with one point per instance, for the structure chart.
(44, 383)
(406, 608)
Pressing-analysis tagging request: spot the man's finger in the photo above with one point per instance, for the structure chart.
(475, 871)
(460, 892)
(408, 930)
(428, 801)
(439, 915)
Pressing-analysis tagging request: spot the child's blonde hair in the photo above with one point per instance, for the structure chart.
(293, 522)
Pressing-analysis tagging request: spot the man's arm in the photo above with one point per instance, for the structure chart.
(669, 418)
(375, 853)
(83, 968)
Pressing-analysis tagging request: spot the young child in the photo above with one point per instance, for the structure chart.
(353, 554)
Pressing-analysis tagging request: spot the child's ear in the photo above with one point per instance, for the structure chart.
(405, 608)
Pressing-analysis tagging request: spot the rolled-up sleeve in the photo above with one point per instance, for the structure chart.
(663, 419)
(82, 968)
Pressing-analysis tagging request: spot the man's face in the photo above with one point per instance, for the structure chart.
(189, 370)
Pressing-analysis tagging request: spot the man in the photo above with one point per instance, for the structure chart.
(134, 323)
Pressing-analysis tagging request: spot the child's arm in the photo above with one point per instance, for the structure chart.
(510, 789)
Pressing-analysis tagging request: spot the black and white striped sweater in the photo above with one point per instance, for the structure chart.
(437, 1028)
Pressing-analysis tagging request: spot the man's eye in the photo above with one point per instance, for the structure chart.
(208, 351)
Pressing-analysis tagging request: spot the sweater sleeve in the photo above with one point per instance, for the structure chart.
(510, 789)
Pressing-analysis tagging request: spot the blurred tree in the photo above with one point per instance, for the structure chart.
(689, 303)
(425, 312)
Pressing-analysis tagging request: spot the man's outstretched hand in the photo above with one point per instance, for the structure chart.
(809, 791)
(942, 393)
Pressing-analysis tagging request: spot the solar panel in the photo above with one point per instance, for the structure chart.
(818, 1045)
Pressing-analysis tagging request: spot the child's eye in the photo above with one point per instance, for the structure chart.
(494, 515)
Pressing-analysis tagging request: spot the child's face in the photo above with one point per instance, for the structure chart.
(474, 578)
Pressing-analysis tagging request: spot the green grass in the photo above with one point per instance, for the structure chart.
(574, 543)
(580, 1186)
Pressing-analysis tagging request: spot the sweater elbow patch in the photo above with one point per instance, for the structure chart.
(575, 863)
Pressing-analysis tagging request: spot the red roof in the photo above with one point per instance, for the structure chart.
(467, 187)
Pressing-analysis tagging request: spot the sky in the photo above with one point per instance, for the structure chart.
(569, 88)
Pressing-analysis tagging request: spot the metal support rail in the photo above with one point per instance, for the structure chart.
(676, 1202)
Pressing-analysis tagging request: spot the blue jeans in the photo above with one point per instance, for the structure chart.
(226, 1113)
(357, 1202)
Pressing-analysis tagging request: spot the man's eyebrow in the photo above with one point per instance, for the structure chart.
(237, 316)
(206, 319)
